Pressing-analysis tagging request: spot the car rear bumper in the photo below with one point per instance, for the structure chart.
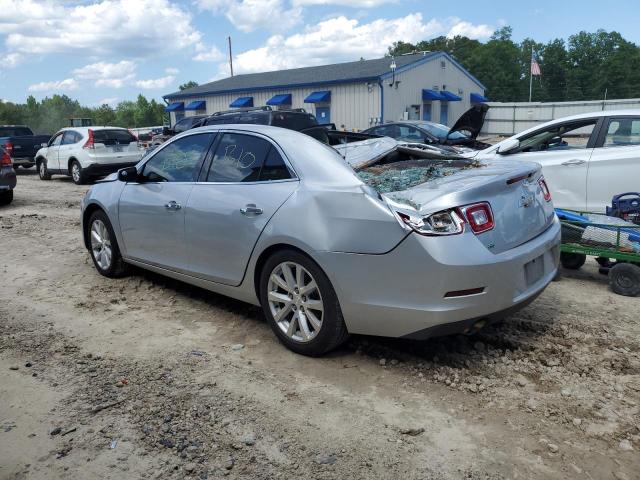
(417, 289)
(20, 161)
(101, 169)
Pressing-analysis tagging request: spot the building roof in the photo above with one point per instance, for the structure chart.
(360, 70)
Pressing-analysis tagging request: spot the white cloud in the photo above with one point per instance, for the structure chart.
(343, 39)
(111, 101)
(171, 71)
(155, 83)
(114, 75)
(212, 54)
(249, 15)
(343, 3)
(67, 84)
(467, 29)
(11, 60)
(106, 27)
(334, 40)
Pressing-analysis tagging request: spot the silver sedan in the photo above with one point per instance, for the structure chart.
(398, 245)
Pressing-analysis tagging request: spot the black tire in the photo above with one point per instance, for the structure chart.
(78, 176)
(572, 261)
(117, 267)
(624, 279)
(604, 262)
(333, 331)
(6, 197)
(43, 171)
(27, 166)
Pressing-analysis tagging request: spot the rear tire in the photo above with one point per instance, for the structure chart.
(103, 246)
(77, 174)
(6, 197)
(43, 171)
(27, 166)
(312, 322)
(624, 279)
(572, 261)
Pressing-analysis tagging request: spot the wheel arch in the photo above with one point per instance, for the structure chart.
(71, 160)
(268, 252)
(86, 215)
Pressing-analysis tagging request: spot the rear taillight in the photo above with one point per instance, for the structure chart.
(545, 189)
(5, 159)
(446, 222)
(89, 142)
(9, 148)
(479, 216)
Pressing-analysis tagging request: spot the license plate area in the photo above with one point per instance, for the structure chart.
(534, 270)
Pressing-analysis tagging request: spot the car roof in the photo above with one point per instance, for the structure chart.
(312, 160)
(92, 127)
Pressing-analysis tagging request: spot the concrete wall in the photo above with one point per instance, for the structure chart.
(511, 118)
(352, 104)
(430, 75)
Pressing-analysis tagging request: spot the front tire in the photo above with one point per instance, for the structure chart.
(624, 279)
(77, 174)
(6, 197)
(104, 249)
(300, 304)
(43, 171)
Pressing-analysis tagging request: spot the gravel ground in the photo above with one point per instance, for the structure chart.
(146, 377)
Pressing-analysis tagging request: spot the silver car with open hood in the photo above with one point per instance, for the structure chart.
(380, 239)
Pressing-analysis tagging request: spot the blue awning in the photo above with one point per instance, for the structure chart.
(450, 97)
(174, 107)
(319, 97)
(477, 98)
(282, 99)
(242, 102)
(428, 95)
(197, 105)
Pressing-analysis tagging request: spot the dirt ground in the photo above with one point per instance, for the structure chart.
(146, 377)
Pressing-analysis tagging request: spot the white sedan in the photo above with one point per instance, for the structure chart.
(88, 152)
(586, 159)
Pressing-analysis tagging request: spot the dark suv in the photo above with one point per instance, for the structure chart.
(7, 177)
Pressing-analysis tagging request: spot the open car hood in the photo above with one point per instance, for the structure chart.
(470, 122)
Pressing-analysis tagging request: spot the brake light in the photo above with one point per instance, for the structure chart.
(89, 142)
(479, 216)
(5, 160)
(446, 222)
(9, 148)
(545, 189)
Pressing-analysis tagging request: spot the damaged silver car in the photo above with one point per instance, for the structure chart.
(382, 239)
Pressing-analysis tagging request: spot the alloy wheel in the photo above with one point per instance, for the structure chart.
(295, 301)
(101, 244)
(75, 172)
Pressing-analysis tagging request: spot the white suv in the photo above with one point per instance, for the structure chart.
(87, 152)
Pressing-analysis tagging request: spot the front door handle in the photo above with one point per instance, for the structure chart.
(251, 209)
(172, 205)
(573, 162)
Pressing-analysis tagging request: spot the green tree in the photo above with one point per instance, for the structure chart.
(104, 115)
(189, 84)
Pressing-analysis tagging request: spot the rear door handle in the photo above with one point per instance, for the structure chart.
(251, 209)
(575, 161)
(172, 205)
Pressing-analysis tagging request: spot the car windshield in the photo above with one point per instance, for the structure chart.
(113, 137)
(441, 131)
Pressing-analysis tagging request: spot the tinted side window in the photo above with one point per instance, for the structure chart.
(179, 161)
(113, 137)
(238, 158)
(55, 141)
(293, 121)
(622, 132)
(246, 158)
(410, 133)
(69, 137)
(558, 137)
(183, 125)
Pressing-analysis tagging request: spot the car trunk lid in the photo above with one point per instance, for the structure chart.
(470, 122)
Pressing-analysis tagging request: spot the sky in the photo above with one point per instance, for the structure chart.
(106, 51)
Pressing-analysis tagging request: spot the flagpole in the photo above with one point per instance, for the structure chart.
(530, 74)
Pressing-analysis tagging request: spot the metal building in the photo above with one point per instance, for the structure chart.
(353, 95)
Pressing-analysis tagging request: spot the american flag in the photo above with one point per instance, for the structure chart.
(535, 68)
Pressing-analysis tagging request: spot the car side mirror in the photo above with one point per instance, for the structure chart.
(508, 145)
(44, 145)
(129, 174)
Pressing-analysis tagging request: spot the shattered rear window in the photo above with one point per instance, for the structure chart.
(398, 176)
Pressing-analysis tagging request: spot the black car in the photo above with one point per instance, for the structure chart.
(463, 133)
(7, 177)
(21, 144)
